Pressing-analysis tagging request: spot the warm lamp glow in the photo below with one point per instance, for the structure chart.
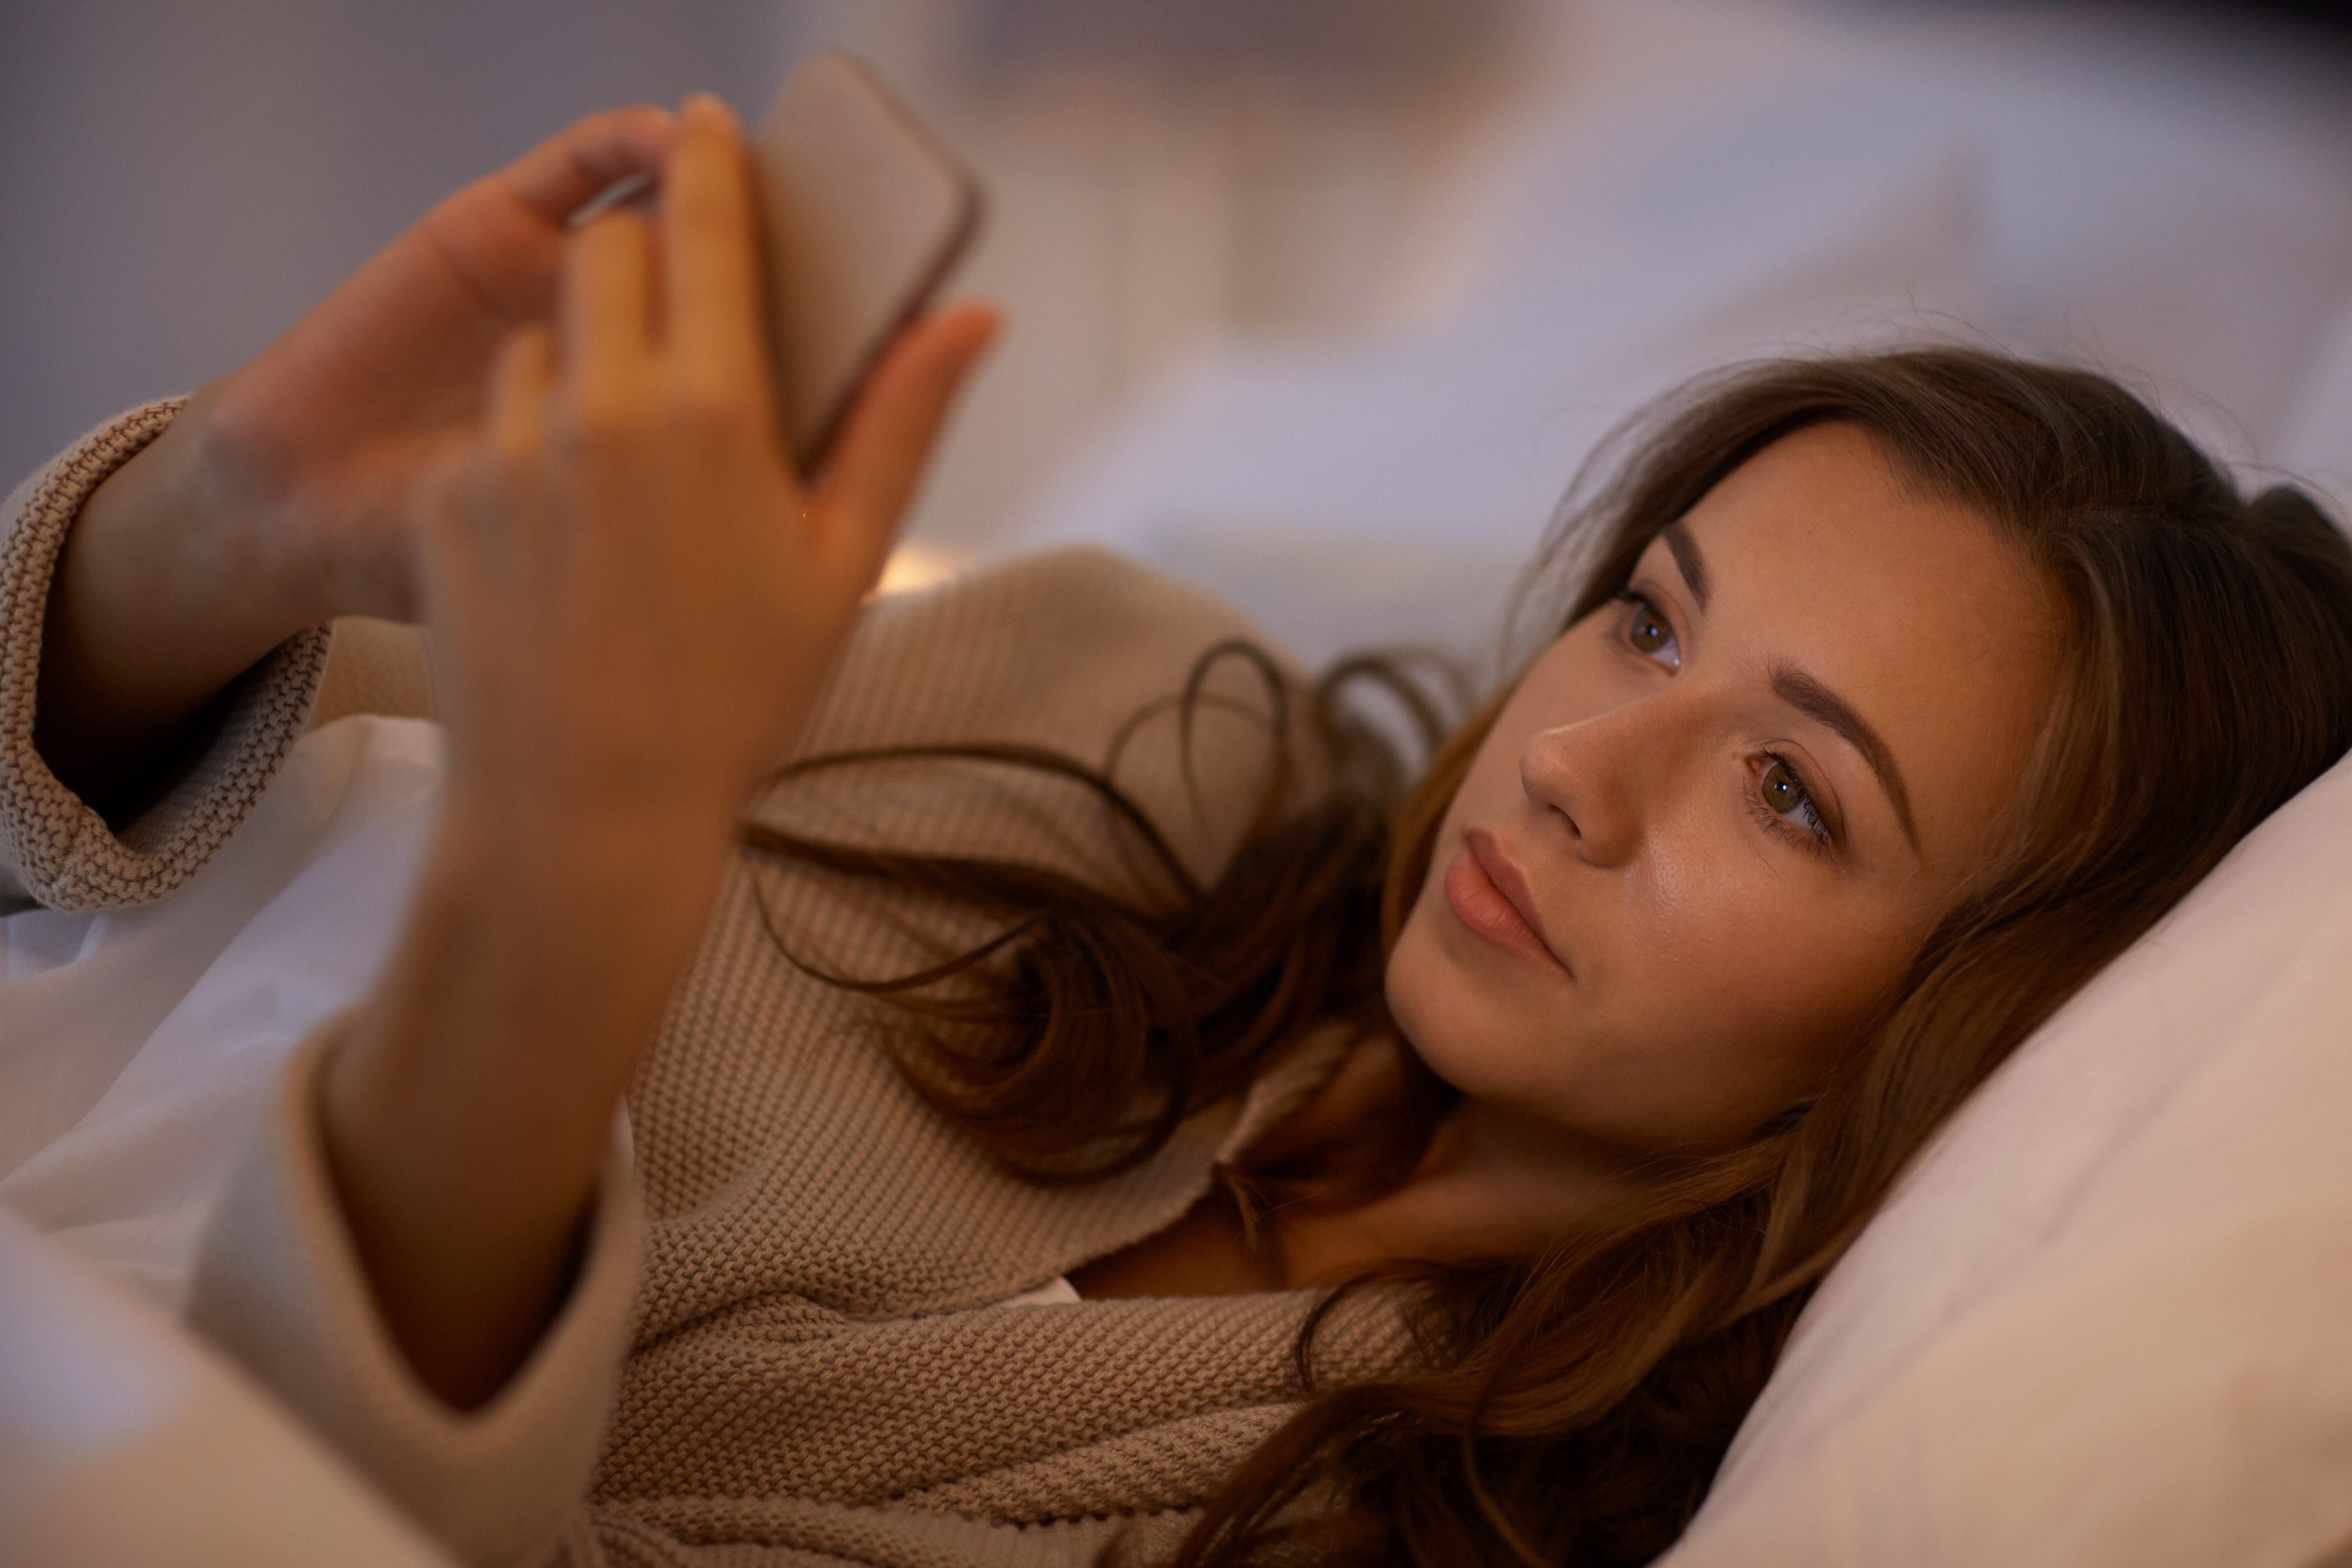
(913, 567)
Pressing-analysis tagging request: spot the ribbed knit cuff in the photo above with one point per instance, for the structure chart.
(280, 1287)
(54, 849)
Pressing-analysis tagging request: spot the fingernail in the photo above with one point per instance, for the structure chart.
(621, 193)
(707, 106)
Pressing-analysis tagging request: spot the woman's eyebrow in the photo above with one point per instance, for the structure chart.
(1688, 560)
(1825, 707)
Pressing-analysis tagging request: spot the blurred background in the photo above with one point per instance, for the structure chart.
(1320, 302)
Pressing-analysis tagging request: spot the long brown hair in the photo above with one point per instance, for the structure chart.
(1572, 1406)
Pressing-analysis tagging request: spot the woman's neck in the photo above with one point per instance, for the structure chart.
(1489, 1183)
(1492, 1183)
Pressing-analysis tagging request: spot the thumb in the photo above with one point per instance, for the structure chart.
(879, 460)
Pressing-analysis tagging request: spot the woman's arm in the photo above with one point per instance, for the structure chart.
(277, 500)
(635, 602)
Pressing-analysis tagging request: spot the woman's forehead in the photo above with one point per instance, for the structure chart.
(1822, 522)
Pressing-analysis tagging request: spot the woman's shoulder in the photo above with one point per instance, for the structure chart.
(1082, 653)
(1026, 649)
(1064, 617)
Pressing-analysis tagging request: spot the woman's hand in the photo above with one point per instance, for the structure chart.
(633, 598)
(280, 498)
(633, 603)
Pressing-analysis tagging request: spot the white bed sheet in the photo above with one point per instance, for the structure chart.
(137, 1045)
(136, 1048)
(125, 1440)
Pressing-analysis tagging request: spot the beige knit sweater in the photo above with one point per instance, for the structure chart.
(811, 1371)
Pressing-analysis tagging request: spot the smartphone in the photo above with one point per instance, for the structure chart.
(863, 216)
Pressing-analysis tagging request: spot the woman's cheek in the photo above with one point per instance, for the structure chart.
(1731, 945)
(1695, 901)
(1771, 987)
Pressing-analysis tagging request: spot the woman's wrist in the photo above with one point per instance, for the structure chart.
(163, 593)
(579, 867)
(466, 1116)
(514, 1012)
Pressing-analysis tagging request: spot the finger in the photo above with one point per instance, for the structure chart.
(890, 432)
(605, 311)
(709, 258)
(504, 234)
(519, 384)
(577, 164)
(501, 507)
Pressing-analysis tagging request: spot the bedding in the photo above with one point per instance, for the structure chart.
(140, 1042)
(1690, 181)
(127, 1440)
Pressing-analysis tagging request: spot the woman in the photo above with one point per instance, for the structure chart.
(1895, 696)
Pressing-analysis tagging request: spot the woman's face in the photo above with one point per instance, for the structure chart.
(1710, 828)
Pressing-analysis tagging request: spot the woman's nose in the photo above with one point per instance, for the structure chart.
(1599, 780)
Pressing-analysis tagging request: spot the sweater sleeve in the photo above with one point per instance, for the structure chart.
(280, 1286)
(54, 849)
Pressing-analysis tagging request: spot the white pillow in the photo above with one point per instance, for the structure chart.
(2107, 1317)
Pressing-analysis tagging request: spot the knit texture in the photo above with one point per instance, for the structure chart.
(815, 1373)
(54, 849)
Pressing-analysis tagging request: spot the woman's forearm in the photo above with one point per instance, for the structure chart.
(278, 497)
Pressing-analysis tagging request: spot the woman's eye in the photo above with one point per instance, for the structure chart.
(1785, 796)
(1652, 635)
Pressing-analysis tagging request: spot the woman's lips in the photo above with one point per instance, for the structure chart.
(1489, 894)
